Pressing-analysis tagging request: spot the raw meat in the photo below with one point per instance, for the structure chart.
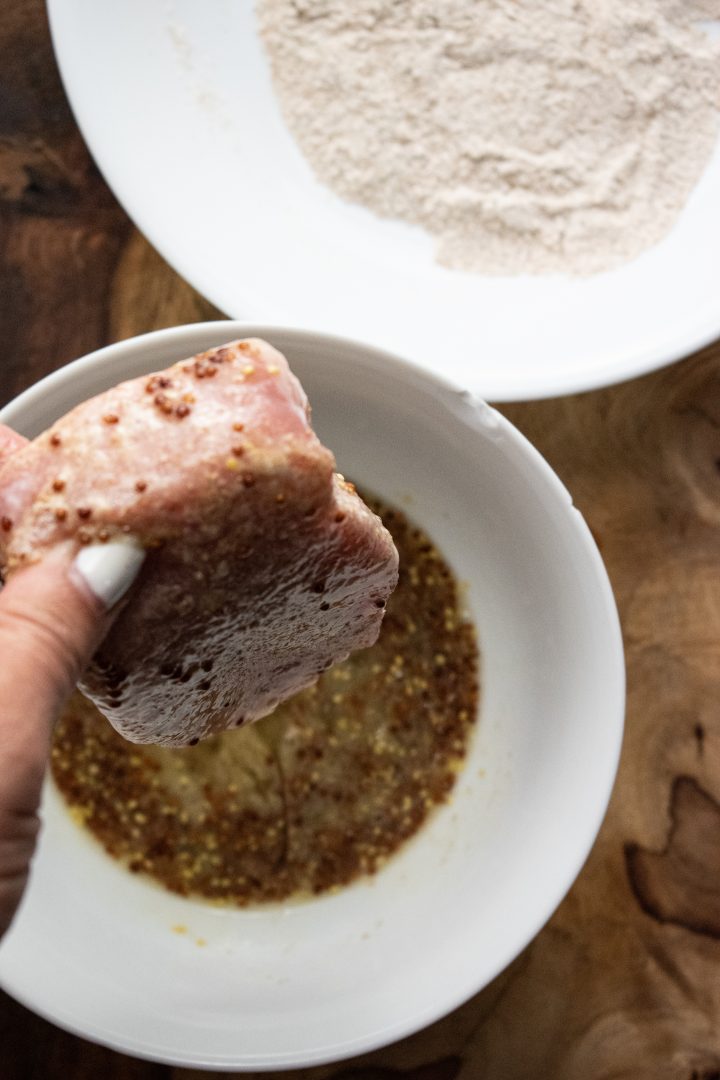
(263, 566)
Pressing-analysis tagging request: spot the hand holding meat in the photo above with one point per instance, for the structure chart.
(258, 567)
(263, 566)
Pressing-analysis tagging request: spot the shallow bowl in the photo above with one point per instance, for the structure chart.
(199, 155)
(93, 947)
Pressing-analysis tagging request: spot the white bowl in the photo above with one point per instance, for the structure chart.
(197, 151)
(93, 947)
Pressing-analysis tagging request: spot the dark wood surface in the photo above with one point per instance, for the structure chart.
(624, 982)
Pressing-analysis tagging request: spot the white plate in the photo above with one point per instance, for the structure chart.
(175, 101)
(93, 947)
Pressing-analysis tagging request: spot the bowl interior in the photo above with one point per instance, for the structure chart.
(94, 948)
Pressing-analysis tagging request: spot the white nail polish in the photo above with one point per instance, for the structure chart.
(109, 569)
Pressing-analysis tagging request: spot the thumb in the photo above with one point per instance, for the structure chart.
(53, 615)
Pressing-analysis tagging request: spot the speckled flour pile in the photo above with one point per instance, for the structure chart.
(526, 136)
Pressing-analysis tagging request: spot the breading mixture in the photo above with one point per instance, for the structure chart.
(525, 137)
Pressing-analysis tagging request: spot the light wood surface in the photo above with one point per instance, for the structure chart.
(624, 982)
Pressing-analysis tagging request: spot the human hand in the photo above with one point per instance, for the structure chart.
(53, 615)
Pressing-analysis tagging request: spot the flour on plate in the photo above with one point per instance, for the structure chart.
(532, 137)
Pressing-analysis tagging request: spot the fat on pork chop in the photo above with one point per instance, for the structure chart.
(263, 568)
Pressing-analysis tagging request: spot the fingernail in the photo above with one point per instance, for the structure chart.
(109, 569)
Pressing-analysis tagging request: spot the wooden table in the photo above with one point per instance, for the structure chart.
(624, 982)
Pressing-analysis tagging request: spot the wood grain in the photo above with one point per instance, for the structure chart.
(624, 982)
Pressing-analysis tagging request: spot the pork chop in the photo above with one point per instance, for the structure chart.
(263, 565)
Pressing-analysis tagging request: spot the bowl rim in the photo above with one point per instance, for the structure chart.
(107, 357)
